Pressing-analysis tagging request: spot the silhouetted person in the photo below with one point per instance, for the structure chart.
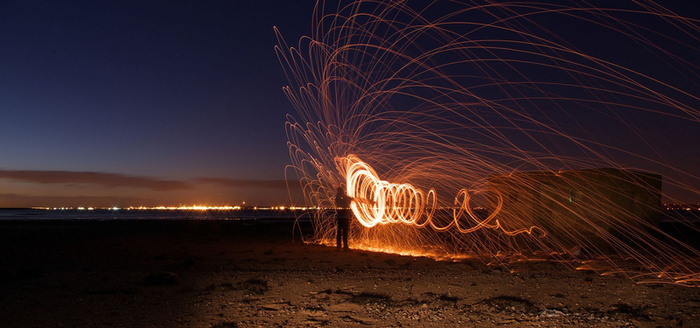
(343, 216)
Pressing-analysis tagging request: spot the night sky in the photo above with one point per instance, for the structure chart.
(154, 102)
(144, 102)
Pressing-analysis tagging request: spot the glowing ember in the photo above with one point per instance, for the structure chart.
(381, 202)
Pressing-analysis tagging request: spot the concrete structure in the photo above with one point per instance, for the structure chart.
(580, 206)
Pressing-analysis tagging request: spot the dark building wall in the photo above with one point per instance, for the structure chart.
(580, 206)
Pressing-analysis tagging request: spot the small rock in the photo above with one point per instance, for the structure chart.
(273, 307)
(362, 320)
(344, 307)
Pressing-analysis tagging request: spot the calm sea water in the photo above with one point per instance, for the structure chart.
(124, 214)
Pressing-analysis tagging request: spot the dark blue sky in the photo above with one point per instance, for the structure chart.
(160, 89)
(165, 102)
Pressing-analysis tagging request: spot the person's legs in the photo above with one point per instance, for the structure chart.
(338, 233)
(346, 231)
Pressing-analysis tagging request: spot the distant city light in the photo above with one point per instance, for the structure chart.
(190, 208)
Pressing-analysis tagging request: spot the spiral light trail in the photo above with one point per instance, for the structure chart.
(489, 129)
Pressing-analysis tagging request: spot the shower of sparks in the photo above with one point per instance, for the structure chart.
(475, 129)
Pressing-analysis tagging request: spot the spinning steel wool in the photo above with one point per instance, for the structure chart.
(506, 131)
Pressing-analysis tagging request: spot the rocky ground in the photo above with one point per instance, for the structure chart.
(179, 274)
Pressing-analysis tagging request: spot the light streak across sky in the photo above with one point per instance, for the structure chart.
(502, 130)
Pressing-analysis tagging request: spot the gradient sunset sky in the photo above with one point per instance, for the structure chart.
(158, 102)
(144, 102)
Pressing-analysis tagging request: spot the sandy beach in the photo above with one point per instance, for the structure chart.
(225, 274)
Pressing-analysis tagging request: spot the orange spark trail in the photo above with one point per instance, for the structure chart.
(488, 129)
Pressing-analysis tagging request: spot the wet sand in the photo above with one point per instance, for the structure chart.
(225, 274)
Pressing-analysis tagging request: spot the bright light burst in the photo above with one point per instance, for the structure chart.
(502, 130)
